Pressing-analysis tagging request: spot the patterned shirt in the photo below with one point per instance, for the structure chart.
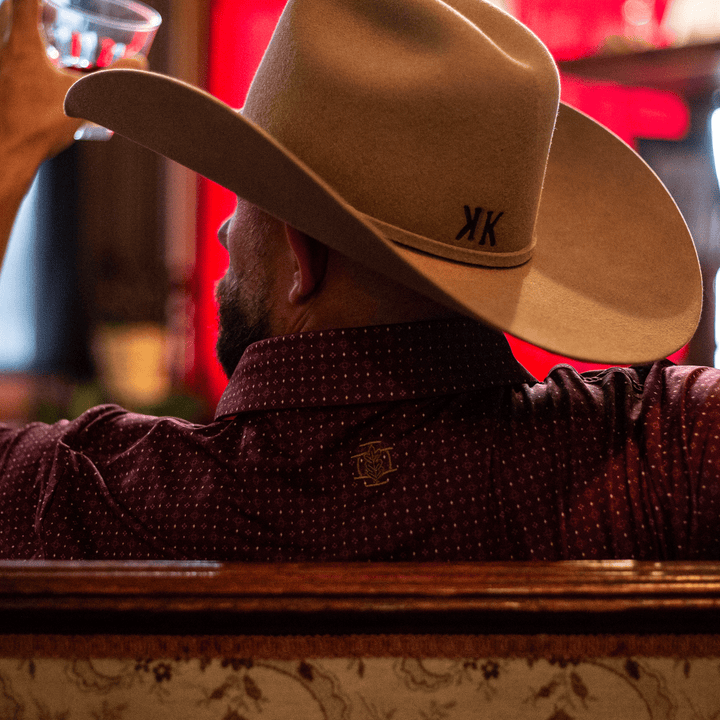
(422, 441)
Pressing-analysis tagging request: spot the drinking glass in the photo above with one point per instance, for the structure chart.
(87, 35)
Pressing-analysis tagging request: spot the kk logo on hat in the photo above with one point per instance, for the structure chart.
(471, 223)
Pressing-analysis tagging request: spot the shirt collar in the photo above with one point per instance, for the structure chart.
(379, 363)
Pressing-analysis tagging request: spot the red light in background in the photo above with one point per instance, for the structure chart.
(630, 112)
(239, 33)
(573, 28)
(539, 362)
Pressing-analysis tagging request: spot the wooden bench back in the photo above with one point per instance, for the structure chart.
(365, 641)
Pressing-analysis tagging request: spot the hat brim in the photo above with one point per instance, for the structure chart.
(614, 277)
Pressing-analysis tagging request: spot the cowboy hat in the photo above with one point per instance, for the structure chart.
(426, 140)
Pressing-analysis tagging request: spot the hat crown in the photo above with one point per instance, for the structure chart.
(434, 120)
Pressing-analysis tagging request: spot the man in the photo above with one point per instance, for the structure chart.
(398, 197)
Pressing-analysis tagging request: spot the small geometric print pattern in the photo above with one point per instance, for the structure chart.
(487, 463)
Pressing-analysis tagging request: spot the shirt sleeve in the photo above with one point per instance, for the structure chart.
(33, 460)
(680, 420)
(26, 464)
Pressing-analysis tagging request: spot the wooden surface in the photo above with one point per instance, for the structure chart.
(370, 597)
(182, 586)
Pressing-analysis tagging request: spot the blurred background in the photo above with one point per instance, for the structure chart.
(107, 290)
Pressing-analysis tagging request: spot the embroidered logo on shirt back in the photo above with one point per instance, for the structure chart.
(374, 463)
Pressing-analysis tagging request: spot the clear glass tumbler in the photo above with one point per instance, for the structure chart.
(87, 35)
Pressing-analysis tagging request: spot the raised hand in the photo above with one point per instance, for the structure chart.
(32, 89)
(33, 126)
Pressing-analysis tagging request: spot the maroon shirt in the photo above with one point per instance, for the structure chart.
(424, 441)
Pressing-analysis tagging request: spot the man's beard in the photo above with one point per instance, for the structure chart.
(244, 318)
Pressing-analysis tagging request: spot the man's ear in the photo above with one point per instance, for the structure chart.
(310, 264)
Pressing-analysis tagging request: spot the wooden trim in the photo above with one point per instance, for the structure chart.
(378, 588)
(193, 609)
(543, 586)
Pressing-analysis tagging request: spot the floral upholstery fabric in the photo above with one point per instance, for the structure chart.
(380, 688)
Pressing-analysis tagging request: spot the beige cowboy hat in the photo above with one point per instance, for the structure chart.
(415, 137)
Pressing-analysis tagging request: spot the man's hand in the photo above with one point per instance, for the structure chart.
(33, 126)
(32, 90)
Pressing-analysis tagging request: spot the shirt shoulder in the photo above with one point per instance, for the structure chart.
(662, 382)
(672, 411)
(33, 441)
(38, 460)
